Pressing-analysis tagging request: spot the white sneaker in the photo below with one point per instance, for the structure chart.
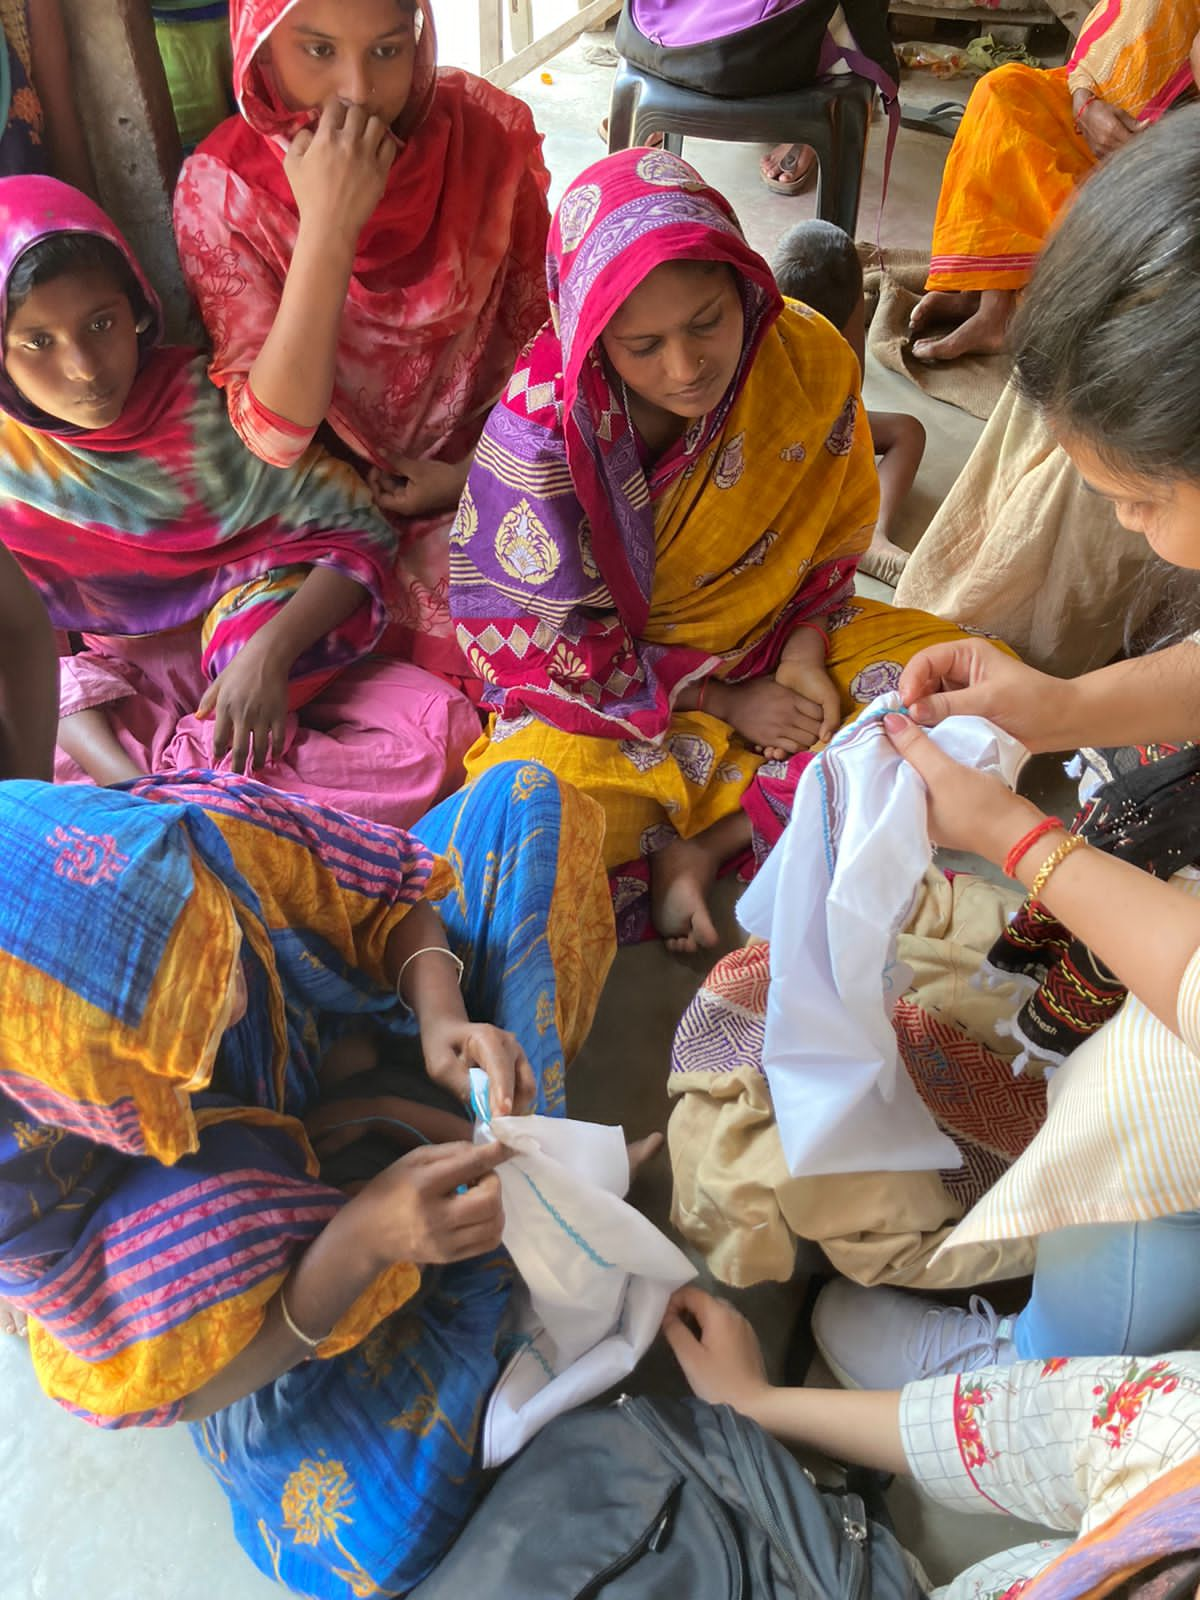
(885, 1338)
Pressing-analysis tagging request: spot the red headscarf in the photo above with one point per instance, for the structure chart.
(448, 279)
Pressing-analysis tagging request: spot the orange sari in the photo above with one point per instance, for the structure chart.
(1017, 157)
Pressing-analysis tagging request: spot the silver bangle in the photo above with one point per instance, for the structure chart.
(426, 950)
(296, 1333)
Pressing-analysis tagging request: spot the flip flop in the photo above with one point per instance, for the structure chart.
(800, 165)
(942, 119)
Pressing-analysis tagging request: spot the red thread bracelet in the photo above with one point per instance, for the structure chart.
(1027, 841)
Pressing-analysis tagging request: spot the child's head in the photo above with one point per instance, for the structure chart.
(363, 52)
(676, 340)
(73, 317)
(1107, 340)
(816, 262)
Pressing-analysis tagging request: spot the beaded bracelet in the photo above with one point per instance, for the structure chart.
(1026, 842)
(425, 950)
(1055, 859)
(296, 1333)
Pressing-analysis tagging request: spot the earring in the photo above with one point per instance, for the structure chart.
(143, 326)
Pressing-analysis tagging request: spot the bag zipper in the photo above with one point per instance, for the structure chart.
(636, 1411)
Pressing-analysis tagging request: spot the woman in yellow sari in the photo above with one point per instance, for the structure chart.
(1027, 139)
(652, 566)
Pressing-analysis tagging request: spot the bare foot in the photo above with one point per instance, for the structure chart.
(14, 1321)
(984, 334)
(642, 1150)
(681, 877)
(943, 308)
(883, 560)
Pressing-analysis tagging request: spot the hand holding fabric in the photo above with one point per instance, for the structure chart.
(453, 1045)
(338, 171)
(972, 678)
(248, 703)
(967, 809)
(438, 1204)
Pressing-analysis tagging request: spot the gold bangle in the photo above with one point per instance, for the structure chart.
(296, 1333)
(1055, 859)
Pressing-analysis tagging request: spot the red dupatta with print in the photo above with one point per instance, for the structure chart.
(448, 279)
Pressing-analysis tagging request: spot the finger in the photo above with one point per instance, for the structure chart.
(805, 730)
(302, 143)
(938, 667)
(333, 115)
(496, 1053)
(354, 121)
(241, 744)
(260, 750)
(915, 745)
(461, 1162)
(471, 1242)
(809, 709)
(684, 1343)
(222, 732)
(831, 714)
(692, 1299)
(209, 699)
(278, 734)
(526, 1086)
(482, 1203)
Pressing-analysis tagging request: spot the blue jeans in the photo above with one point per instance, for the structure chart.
(1114, 1289)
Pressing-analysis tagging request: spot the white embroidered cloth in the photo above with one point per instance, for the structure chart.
(831, 898)
(595, 1275)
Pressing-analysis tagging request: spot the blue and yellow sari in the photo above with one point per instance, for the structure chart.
(156, 1177)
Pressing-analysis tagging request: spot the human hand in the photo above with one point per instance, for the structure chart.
(720, 1357)
(1105, 129)
(338, 171)
(453, 1045)
(419, 487)
(248, 703)
(970, 677)
(415, 1211)
(811, 681)
(967, 810)
(768, 715)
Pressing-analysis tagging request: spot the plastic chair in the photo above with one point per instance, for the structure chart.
(831, 116)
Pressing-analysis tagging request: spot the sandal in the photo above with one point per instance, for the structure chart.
(797, 170)
(942, 119)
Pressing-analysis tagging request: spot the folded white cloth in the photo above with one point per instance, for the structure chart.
(831, 898)
(595, 1275)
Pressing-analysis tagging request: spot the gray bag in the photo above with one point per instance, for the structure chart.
(667, 1500)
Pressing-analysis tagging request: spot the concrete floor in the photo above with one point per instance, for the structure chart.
(58, 1476)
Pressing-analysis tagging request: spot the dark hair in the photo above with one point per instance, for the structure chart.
(1107, 341)
(816, 262)
(63, 254)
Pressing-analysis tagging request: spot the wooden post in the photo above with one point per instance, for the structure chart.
(520, 24)
(125, 108)
(491, 35)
